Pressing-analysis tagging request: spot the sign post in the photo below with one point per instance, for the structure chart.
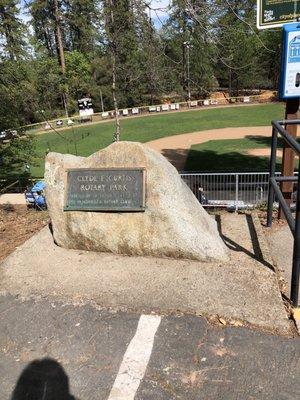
(275, 13)
(288, 157)
(290, 91)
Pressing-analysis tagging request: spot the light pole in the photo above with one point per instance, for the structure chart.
(101, 98)
(187, 45)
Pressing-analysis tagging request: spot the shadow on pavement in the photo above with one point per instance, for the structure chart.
(257, 254)
(43, 379)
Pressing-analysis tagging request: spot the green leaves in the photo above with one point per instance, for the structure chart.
(12, 31)
(16, 154)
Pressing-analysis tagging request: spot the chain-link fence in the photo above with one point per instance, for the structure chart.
(235, 190)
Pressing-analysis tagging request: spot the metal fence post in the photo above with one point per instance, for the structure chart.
(296, 253)
(236, 192)
(272, 175)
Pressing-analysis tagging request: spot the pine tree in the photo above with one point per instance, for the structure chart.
(189, 45)
(43, 26)
(202, 47)
(84, 24)
(12, 30)
(150, 55)
(123, 51)
(48, 19)
(238, 47)
(124, 42)
(177, 36)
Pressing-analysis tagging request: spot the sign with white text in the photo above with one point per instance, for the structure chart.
(275, 13)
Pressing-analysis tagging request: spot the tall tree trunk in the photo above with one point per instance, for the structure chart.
(116, 109)
(185, 43)
(229, 82)
(58, 38)
(60, 51)
(113, 43)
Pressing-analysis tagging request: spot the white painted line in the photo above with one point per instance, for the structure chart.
(135, 360)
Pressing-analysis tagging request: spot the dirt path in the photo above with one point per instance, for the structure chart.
(13, 198)
(175, 148)
(263, 152)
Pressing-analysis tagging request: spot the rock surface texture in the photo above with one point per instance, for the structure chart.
(174, 224)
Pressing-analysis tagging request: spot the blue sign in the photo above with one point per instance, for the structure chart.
(290, 62)
(294, 50)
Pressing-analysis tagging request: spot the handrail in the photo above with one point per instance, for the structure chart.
(3, 190)
(293, 223)
(286, 136)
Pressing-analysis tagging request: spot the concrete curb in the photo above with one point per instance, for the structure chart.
(293, 314)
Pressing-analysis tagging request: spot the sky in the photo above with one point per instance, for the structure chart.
(160, 16)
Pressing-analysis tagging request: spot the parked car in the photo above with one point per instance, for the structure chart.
(11, 134)
(59, 123)
(3, 135)
(14, 133)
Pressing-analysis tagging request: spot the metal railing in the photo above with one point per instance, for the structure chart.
(274, 190)
(12, 187)
(235, 190)
(15, 184)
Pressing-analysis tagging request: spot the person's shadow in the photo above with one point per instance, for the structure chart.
(43, 380)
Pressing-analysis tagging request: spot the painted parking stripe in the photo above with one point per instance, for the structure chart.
(135, 360)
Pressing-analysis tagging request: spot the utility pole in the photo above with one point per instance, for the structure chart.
(60, 50)
(113, 45)
(101, 100)
(187, 46)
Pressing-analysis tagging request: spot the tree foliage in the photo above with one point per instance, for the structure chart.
(12, 31)
(16, 156)
(66, 50)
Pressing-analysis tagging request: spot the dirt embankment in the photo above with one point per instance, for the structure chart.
(17, 224)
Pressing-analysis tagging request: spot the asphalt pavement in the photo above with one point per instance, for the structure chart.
(54, 350)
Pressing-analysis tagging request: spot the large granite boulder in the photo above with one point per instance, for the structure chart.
(173, 224)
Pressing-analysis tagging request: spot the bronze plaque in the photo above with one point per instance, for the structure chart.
(116, 189)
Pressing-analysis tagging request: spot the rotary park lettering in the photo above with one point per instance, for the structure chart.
(105, 190)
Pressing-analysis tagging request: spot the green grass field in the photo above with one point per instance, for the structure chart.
(230, 155)
(85, 140)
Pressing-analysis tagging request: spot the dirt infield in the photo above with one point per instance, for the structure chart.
(175, 148)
